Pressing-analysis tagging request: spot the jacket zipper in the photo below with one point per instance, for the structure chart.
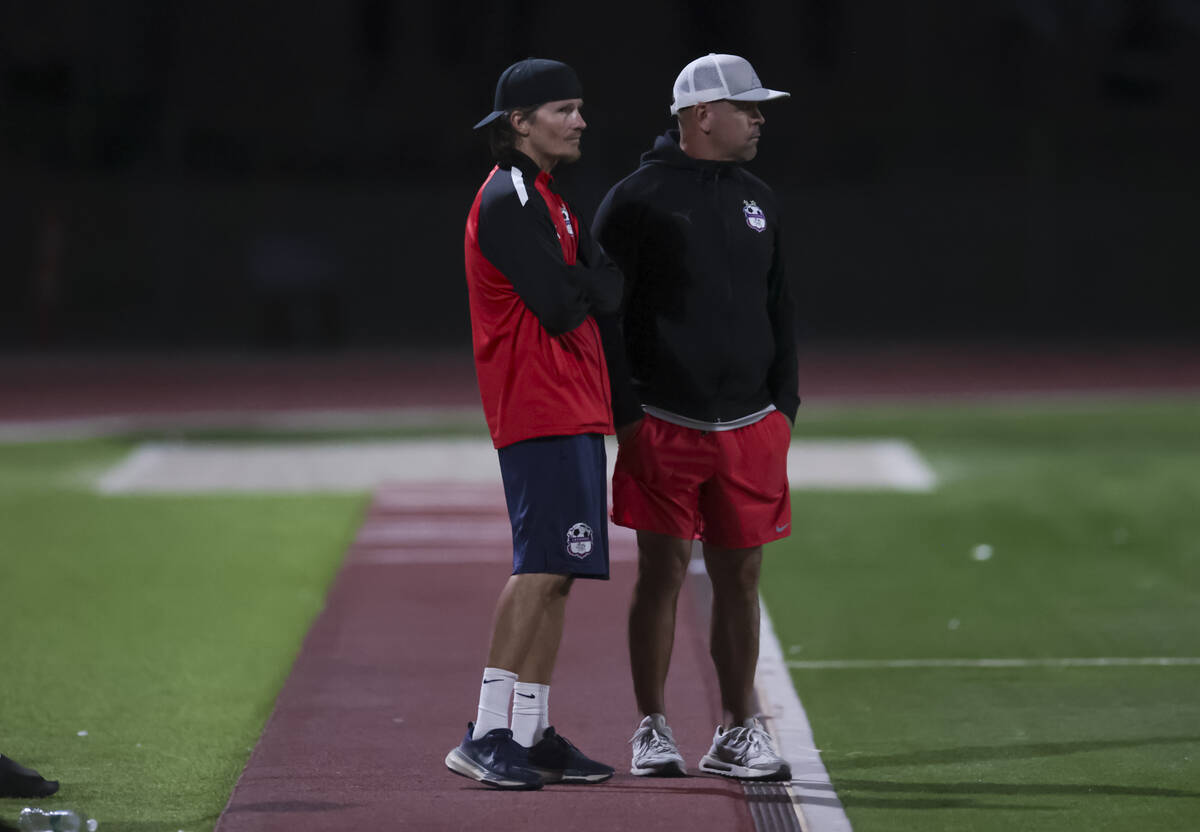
(728, 287)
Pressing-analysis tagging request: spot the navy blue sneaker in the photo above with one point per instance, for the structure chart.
(559, 761)
(495, 759)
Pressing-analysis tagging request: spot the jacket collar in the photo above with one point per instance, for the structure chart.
(517, 159)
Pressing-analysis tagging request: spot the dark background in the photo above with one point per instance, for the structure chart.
(296, 175)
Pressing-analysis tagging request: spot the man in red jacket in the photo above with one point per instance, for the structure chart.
(536, 284)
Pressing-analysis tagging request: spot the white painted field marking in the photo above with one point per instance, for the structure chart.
(900, 664)
(857, 464)
(299, 466)
(86, 427)
(136, 467)
(197, 467)
(815, 802)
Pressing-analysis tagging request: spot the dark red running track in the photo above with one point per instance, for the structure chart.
(389, 676)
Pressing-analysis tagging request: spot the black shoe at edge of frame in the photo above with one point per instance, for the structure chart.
(18, 781)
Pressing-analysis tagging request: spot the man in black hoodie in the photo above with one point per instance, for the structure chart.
(705, 405)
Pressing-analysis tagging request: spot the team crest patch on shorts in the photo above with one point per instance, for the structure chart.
(579, 540)
(755, 218)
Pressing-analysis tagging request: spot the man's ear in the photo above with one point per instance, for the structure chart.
(703, 116)
(519, 123)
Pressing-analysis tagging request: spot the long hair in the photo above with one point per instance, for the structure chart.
(502, 138)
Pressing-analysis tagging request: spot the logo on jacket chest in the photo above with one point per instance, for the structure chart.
(755, 218)
(566, 215)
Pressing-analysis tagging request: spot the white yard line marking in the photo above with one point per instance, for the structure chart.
(88, 427)
(857, 464)
(196, 467)
(293, 466)
(129, 472)
(816, 804)
(888, 664)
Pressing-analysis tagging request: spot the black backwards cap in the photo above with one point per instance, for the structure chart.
(532, 82)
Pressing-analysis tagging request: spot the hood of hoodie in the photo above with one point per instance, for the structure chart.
(666, 151)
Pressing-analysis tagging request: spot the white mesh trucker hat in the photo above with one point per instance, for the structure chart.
(714, 77)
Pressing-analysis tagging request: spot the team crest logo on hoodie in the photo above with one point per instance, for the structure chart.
(755, 218)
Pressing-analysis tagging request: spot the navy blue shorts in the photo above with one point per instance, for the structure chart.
(558, 505)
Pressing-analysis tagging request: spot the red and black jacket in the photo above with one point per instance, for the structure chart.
(536, 281)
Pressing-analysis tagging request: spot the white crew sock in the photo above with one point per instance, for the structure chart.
(494, 693)
(531, 712)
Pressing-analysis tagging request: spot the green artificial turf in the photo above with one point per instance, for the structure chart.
(163, 627)
(1092, 513)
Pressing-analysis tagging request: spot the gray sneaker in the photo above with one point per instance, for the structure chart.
(745, 752)
(654, 750)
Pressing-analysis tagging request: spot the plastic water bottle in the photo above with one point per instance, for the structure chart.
(55, 820)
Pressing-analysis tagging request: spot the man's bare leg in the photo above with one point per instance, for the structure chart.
(662, 567)
(538, 665)
(526, 631)
(528, 625)
(735, 623)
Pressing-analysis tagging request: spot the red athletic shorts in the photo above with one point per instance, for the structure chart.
(726, 487)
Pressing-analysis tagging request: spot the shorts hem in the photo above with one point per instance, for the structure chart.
(740, 544)
(649, 527)
(600, 576)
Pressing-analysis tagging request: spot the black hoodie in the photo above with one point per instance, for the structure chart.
(707, 318)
